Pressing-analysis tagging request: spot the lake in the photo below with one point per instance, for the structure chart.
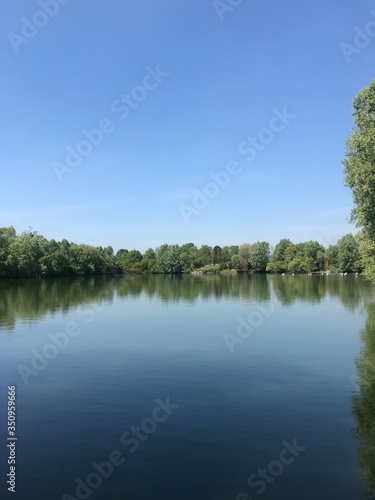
(189, 387)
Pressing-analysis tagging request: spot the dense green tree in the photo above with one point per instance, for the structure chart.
(313, 253)
(129, 261)
(225, 257)
(276, 266)
(227, 253)
(359, 164)
(289, 255)
(321, 258)
(149, 260)
(25, 254)
(189, 257)
(121, 252)
(367, 253)
(298, 264)
(234, 249)
(54, 261)
(279, 252)
(259, 257)
(308, 256)
(331, 258)
(205, 255)
(278, 263)
(216, 254)
(168, 259)
(348, 257)
(235, 262)
(244, 254)
(7, 237)
(295, 259)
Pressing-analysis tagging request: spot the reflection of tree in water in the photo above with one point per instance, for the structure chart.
(190, 288)
(289, 289)
(363, 404)
(257, 288)
(32, 299)
(350, 290)
(353, 292)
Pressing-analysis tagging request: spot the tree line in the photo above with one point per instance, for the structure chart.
(32, 255)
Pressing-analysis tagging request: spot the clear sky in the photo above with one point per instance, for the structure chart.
(219, 75)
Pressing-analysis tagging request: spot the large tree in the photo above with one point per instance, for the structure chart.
(348, 254)
(7, 237)
(244, 254)
(260, 254)
(313, 252)
(278, 263)
(359, 163)
(168, 259)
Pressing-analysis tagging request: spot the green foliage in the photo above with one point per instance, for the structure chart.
(348, 258)
(129, 262)
(32, 255)
(290, 254)
(205, 255)
(216, 255)
(235, 262)
(276, 266)
(189, 257)
(359, 164)
(244, 254)
(210, 268)
(280, 259)
(7, 237)
(314, 256)
(309, 256)
(259, 257)
(298, 264)
(279, 252)
(168, 259)
(149, 260)
(367, 253)
(25, 253)
(227, 253)
(331, 257)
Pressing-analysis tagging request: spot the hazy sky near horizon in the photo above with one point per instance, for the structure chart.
(180, 90)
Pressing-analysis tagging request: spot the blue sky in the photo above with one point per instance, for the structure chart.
(224, 74)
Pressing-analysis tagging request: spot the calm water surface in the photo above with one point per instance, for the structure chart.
(195, 387)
